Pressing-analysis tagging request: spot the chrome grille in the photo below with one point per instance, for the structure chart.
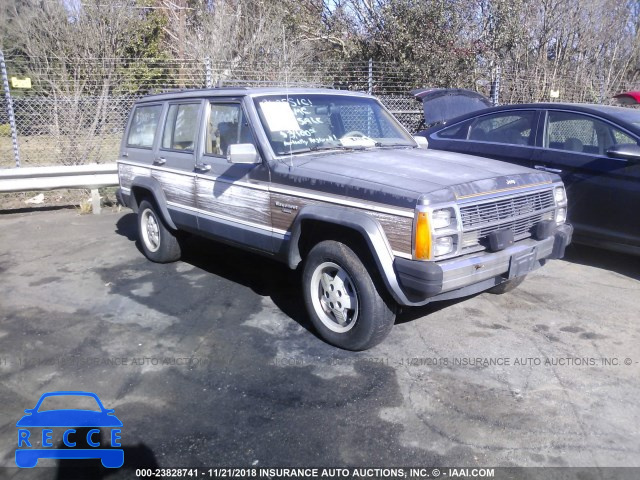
(477, 215)
(521, 229)
(520, 214)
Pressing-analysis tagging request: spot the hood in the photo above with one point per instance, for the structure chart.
(442, 104)
(410, 174)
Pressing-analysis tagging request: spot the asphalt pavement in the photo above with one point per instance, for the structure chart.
(211, 361)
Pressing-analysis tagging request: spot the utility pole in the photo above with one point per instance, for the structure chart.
(495, 87)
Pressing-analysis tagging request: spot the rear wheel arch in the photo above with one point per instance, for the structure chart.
(147, 188)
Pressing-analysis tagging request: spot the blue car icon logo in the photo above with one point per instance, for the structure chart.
(73, 429)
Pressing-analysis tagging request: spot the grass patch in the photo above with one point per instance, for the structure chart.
(48, 150)
(58, 198)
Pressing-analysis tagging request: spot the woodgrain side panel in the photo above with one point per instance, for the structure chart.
(283, 217)
(397, 229)
(128, 172)
(243, 203)
(178, 188)
(253, 205)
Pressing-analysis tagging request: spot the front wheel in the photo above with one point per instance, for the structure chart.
(342, 299)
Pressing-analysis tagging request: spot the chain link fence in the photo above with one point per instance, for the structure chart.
(66, 131)
(75, 114)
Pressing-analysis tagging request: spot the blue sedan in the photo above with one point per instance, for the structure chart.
(594, 148)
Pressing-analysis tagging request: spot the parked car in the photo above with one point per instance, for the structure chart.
(594, 148)
(328, 180)
(628, 98)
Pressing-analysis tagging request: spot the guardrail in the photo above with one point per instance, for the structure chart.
(53, 178)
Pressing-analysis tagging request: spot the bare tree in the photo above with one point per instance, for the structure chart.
(242, 39)
(72, 53)
(563, 44)
(428, 40)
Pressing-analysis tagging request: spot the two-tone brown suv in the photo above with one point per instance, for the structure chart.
(329, 181)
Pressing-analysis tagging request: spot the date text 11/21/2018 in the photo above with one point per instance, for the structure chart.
(331, 473)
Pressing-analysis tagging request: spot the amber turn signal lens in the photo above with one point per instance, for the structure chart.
(423, 237)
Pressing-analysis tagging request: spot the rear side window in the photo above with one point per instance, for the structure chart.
(181, 127)
(458, 131)
(512, 128)
(143, 126)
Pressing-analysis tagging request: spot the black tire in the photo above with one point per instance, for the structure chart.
(507, 286)
(370, 318)
(159, 243)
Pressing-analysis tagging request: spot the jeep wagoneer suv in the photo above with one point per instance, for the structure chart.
(330, 182)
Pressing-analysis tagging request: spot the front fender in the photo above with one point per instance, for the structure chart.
(367, 226)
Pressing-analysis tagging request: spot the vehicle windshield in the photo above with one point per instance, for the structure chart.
(298, 123)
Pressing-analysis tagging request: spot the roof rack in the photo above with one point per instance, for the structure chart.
(271, 83)
(240, 84)
(201, 89)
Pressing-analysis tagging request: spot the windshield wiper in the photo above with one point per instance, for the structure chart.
(317, 148)
(393, 145)
(314, 148)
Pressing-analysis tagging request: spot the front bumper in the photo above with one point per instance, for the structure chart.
(423, 282)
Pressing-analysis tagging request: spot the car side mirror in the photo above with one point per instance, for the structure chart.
(625, 151)
(421, 141)
(243, 153)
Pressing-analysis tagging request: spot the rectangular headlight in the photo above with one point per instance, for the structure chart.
(441, 218)
(442, 246)
(561, 215)
(560, 195)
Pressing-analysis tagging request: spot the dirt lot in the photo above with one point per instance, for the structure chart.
(547, 375)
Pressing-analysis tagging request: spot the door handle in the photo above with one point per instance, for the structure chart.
(547, 169)
(160, 161)
(203, 167)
